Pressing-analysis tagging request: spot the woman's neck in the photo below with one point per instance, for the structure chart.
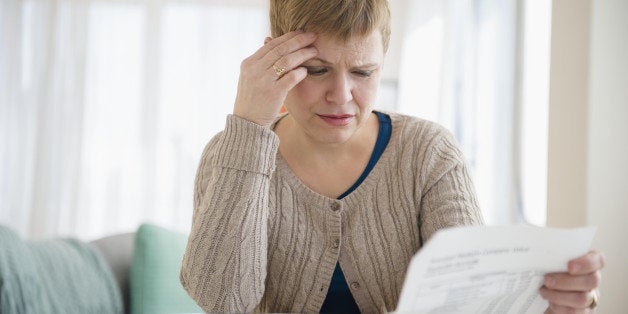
(329, 169)
(294, 140)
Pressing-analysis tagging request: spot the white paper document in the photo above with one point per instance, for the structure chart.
(494, 269)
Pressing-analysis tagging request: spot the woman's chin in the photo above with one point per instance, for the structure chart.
(333, 137)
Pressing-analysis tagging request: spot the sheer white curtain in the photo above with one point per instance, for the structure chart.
(460, 66)
(105, 107)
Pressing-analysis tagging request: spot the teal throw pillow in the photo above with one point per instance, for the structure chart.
(54, 276)
(155, 286)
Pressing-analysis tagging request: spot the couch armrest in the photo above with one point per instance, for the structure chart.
(118, 252)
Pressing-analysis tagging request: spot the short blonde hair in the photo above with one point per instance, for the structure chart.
(341, 19)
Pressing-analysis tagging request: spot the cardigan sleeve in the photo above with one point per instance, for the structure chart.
(448, 198)
(224, 265)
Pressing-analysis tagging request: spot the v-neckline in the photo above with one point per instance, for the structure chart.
(367, 184)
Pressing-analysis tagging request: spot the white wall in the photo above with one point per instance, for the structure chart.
(607, 185)
(567, 120)
(588, 126)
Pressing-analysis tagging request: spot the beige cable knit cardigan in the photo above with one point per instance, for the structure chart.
(262, 241)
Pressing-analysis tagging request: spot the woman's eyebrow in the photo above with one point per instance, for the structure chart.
(367, 65)
(325, 62)
(321, 60)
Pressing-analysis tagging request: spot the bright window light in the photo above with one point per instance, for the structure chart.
(534, 109)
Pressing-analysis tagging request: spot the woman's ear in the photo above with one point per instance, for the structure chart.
(267, 40)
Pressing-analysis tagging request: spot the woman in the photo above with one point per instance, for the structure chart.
(322, 208)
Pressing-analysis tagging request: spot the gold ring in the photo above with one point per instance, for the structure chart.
(279, 71)
(593, 301)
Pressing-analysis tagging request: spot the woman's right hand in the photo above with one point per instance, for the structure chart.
(261, 90)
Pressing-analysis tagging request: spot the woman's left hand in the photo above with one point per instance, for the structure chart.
(574, 291)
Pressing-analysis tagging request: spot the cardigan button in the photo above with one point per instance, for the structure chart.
(335, 207)
(336, 243)
(355, 285)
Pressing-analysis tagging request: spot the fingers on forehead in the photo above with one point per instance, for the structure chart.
(273, 43)
(293, 60)
(289, 46)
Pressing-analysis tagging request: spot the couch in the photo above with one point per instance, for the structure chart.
(134, 272)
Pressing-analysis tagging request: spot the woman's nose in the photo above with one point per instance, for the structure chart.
(340, 90)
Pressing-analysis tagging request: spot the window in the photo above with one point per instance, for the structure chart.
(480, 68)
(105, 106)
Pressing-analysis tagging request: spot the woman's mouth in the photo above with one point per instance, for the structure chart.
(337, 120)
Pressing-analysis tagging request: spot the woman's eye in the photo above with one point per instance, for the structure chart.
(363, 73)
(315, 71)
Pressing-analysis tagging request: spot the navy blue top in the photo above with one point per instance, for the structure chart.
(339, 298)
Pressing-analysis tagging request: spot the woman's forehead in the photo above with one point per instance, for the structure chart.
(360, 49)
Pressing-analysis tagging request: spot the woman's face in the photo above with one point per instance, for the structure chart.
(336, 98)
